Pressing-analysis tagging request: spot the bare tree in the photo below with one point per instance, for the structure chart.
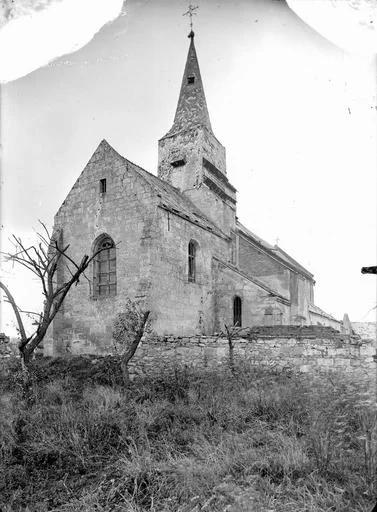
(44, 260)
(128, 328)
(231, 333)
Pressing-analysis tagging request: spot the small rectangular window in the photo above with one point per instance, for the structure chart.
(102, 186)
(178, 163)
(190, 79)
(191, 262)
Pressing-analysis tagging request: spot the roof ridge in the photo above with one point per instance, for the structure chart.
(168, 188)
(254, 279)
(273, 252)
(277, 248)
(320, 311)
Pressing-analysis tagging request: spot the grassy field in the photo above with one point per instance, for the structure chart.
(258, 439)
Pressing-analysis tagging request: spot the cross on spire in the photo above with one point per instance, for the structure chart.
(191, 13)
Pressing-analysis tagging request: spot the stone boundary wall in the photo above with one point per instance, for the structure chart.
(347, 354)
(366, 330)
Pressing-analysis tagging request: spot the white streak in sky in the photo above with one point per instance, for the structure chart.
(350, 24)
(37, 32)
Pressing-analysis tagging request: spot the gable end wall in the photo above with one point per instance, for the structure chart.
(126, 212)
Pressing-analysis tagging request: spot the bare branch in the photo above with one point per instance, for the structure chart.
(16, 312)
(89, 281)
(34, 313)
(69, 270)
(23, 251)
(49, 237)
(128, 329)
(63, 252)
(23, 311)
(24, 264)
(43, 253)
(45, 241)
(43, 260)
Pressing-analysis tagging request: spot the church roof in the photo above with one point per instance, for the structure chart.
(254, 280)
(315, 309)
(192, 108)
(170, 197)
(274, 251)
(286, 257)
(252, 235)
(179, 204)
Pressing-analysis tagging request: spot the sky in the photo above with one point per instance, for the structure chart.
(296, 111)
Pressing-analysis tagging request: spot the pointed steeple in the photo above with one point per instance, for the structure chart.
(190, 157)
(192, 108)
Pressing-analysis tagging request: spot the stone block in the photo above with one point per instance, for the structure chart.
(325, 362)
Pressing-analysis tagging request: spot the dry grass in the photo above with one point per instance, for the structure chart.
(256, 439)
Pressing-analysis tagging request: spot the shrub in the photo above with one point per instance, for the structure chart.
(207, 440)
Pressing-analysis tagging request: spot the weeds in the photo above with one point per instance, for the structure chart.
(255, 437)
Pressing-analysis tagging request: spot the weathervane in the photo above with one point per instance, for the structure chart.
(191, 13)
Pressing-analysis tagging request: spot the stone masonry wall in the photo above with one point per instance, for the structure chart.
(191, 146)
(366, 330)
(126, 212)
(178, 305)
(255, 300)
(151, 259)
(305, 350)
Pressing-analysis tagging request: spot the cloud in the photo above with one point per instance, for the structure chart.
(36, 32)
(350, 24)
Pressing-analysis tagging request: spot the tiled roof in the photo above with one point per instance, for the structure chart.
(319, 311)
(170, 197)
(255, 280)
(252, 235)
(274, 250)
(173, 200)
(286, 257)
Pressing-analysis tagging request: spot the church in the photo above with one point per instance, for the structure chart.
(173, 242)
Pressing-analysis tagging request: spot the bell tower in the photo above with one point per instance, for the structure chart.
(191, 158)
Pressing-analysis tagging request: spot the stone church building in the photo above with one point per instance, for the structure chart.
(173, 243)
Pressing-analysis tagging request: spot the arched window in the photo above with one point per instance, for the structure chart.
(237, 311)
(192, 261)
(104, 278)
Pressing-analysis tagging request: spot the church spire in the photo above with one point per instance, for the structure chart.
(192, 108)
(190, 157)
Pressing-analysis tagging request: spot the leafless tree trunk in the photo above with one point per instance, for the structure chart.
(128, 328)
(231, 333)
(43, 260)
(128, 355)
